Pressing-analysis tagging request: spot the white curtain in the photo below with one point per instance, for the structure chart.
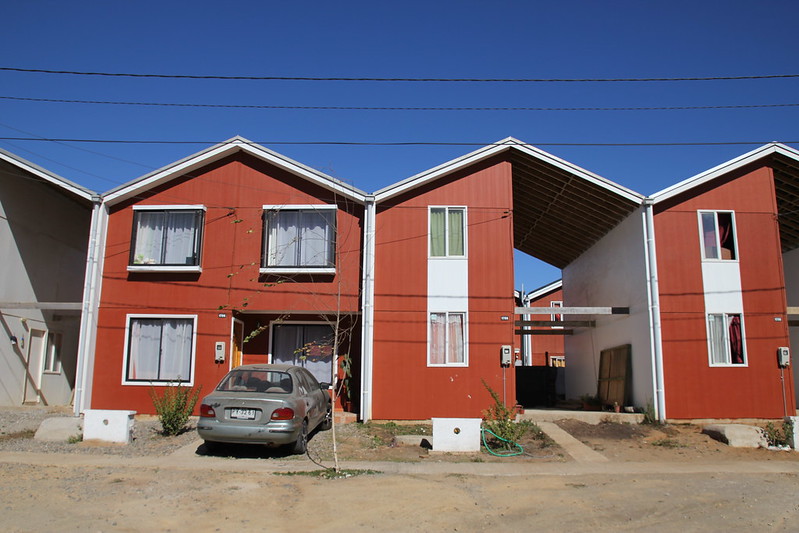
(316, 238)
(160, 349)
(306, 345)
(283, 238)
(179, 249)
(301, 238)
(718, 343)
(455, 348)
(149, 237)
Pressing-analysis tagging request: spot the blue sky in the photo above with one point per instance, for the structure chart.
(567, 39)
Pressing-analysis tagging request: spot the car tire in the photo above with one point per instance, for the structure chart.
(327, 422)
(302, 441)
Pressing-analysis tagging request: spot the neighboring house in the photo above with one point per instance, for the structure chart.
(44, 234)
(544, 345)
(233, 255)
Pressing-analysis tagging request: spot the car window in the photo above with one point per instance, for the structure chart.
(257, 380)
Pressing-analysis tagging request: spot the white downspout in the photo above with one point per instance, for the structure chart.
(88, 320)
(367, 308)
(653, 297)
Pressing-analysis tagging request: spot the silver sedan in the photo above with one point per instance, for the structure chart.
(265, 404)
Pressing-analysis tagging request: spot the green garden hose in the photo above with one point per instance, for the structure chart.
(520, 451)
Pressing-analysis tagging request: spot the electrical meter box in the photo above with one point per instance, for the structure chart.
(783, 356)
(219, 352)
(506, 355)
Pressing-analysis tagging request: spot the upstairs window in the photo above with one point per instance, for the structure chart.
(299, 239)
(718, 235)
(447, 232)
(725, 338)
(166, 237)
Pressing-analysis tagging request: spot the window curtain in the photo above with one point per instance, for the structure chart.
(176, 339)
(283, 238)
(306, 345)
(149, 237)
(710, 242)
(316, 229)
(438, 338)
(718, 348)
(725, 235)
(438, 223)
(736, 340)
(145, 349)
(456, 232)
(455, 347)
(181, 228)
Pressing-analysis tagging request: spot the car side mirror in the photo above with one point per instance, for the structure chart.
(324, 385)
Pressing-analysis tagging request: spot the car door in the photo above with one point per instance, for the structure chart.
(315, 406)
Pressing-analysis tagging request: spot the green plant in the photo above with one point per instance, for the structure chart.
(649, 415)
(500, 420)
(74, 439)
(779, 436)
(174, 407)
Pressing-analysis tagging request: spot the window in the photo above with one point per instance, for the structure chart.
(557, 317)
(447, 231)
(160, 349)
(166, 237)
(447, 339)
(718, 235)
(52, 357)
(725, 338)
(299, 239)
(307, 345)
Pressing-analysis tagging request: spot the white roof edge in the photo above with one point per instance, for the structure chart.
(218, 151)
(509, 143)
(50, 177)
(537, 293)
(724, 168)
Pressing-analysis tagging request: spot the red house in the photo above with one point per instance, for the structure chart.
(233, 255)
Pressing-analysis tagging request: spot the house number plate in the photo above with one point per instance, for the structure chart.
(242, 414)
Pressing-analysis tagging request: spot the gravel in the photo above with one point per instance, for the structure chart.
(18, 425)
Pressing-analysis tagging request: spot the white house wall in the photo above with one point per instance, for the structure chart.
(612, 273)
(43, 235)
(790, 263)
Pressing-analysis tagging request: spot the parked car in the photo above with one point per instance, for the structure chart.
(265, 404)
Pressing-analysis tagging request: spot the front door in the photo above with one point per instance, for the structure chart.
(307, 345)
(237, 342)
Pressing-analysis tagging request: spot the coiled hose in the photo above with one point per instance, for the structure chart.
(510, 453)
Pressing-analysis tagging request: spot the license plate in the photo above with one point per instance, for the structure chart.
(242, 414)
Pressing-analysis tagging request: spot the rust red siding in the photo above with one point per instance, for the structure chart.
(404, 386)
(693, 388)
(233, 191)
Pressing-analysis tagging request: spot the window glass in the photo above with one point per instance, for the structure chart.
(160, 349)
(718, 235)
(300, 238)
(447, 338)
(166, 237)
(447, 231)
(725, 339)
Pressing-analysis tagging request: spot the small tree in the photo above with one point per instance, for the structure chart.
(174, 407)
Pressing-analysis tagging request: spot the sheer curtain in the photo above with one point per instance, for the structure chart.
(149, 237)
(316, 240)
(176, 350)
(145, 348)
(438, 224)
(718, 348)
(160, 349)
(180, 238)
(283, 238)
(455, 347)
(438, 338)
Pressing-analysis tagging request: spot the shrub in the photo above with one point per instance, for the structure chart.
(500, 420)
(779, 437)
(174, 407)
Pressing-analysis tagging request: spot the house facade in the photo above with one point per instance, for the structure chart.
(45, 224)
(234, 255)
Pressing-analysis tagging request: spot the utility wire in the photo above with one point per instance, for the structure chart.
(391, 108)
(369, 143)
(375, 79)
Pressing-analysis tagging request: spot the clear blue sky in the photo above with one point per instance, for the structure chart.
(532, 39)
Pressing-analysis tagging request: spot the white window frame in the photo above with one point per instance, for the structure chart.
(554, 316)
(200, 233)
(447, 209)
(128, 322)
(715, 213)
(465, 362)
(52, 354)
(727, 354)
(298, 269)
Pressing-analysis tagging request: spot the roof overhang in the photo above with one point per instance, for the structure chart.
(559, 209)
(782, 159)
(220, 151)
(62, 184)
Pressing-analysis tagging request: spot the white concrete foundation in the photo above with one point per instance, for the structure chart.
(107, 425)
(456, 434)
(795, 434)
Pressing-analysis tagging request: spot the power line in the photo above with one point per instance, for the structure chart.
(391, 108)
(399, 143)
(376, 79)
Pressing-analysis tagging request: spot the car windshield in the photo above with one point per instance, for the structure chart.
(268, 381)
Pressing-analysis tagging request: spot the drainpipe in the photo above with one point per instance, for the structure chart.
(88, 315)
(367, 308)
(653, 297)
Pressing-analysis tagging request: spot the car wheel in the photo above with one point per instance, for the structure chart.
(327, 423)
(302, 441)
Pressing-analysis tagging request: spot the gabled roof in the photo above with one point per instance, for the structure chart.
(784, 161)
(62, 184)
(543, 291)
(560, 210)
(224, 149)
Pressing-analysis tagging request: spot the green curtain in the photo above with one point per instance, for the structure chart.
(437, 232)
(456, 232)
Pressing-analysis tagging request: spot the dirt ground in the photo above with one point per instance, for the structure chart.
(727, 491)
